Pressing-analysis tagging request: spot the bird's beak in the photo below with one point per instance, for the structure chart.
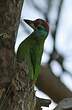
(30, 23)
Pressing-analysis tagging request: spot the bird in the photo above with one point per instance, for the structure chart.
(30, 50)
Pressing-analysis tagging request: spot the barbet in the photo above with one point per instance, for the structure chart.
(31, 49)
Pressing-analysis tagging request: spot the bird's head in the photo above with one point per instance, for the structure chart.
(38, 23)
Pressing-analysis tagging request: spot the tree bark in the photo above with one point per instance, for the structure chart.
(16, 90)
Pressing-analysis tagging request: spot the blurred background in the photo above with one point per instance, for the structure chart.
(55, 80)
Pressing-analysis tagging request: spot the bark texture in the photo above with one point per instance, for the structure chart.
(16, 90)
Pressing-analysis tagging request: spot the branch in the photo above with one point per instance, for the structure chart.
(42, 102)
(65, 104)
(52, 86)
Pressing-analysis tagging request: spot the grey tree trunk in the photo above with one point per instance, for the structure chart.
(16, 90)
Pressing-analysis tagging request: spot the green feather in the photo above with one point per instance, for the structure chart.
(30, 51)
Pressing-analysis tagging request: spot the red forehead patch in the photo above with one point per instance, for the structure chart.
(37, 22)
(46, 25)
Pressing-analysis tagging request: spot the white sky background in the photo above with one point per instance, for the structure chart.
(63, 37)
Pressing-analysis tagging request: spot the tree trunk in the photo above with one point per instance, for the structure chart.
(16, 90)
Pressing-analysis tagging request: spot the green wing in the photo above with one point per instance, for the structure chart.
(23, 49)
(33, 57)
(23, 54)
(30, 51)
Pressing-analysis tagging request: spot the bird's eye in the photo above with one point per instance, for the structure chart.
(38, 20)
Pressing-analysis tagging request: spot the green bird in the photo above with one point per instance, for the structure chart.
(31, 49)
